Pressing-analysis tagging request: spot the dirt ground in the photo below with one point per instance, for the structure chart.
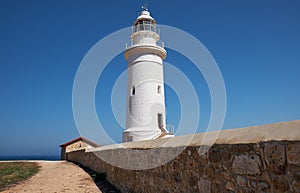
(57, 177)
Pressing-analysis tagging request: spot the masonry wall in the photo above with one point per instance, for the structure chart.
(263, 166)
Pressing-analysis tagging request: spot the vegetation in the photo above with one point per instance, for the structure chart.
(14, 172)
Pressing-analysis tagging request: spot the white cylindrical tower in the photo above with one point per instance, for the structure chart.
(145, 112)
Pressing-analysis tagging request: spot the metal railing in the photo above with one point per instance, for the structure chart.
(130, 43)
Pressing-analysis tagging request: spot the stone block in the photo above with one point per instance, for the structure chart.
(203, 160)
(209, 171)
(204, 185)
(260, 186)
(246, 164)
(177, 176)
(219, 155)
(247, 190)
(217, 181)
(281, 185)
(296, 185)
(192, 181)
(230, 186)
(241, 181)
(241, 148)
(275, 158)
(293, 153)
(225, 175)
(218, 188)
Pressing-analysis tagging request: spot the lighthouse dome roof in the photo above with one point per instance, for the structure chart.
(144, 15)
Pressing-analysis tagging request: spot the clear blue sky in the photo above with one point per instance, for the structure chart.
(255, 43)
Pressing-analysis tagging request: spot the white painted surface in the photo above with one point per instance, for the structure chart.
(145, 15)
(145, 92)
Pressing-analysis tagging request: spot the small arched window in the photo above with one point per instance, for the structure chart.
(133, 91)
(159, 90)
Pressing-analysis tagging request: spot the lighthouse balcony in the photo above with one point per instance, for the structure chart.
(144, 41)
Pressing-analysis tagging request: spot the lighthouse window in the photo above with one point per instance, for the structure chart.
(158, 89)
(147, 26)
(133, 91)
(160, 121)
(144, 24)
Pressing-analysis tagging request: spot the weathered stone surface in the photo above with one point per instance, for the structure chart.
(218, 188)
(204, 185)
(246, 164)
(260, 186)
(176, 176)
(297, 175)
(241, 181)
(246, 190)
(267, 177)
(241, 148)
(296, 186)
(209, 171)
(217, 181)
(275, 158)
(294, 170)
(203, 160)
(293, 153)
(281, 185)
(218, 155)
(251, 167)
(225, 176)
(192, 181)
(229, 186)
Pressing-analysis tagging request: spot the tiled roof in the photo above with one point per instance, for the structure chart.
(80, 139)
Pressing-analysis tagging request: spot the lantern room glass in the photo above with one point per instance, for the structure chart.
(144, 25)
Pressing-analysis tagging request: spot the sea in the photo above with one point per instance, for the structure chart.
(30, 157)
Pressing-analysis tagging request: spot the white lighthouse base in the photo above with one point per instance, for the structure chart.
(168, 135)
(142, 133)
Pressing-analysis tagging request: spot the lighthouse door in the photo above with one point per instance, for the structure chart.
(160, 121)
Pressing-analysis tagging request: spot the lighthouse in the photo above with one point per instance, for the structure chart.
(145, 111)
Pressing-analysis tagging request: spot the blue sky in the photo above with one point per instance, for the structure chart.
(255, 43)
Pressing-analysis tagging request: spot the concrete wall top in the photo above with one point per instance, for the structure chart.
(289, 131)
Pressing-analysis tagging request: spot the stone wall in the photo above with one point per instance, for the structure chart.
(255, 159)
(78, 145)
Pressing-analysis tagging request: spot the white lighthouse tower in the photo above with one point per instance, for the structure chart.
(145, 112)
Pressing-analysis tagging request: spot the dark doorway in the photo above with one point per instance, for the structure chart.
(160, 121)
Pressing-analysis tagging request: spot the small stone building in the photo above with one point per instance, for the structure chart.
(74, 145)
